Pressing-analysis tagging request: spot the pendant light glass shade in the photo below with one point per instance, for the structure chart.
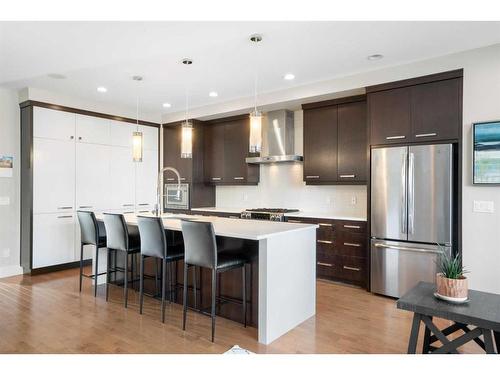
(187, 140)
(137, 146)
(255, 131)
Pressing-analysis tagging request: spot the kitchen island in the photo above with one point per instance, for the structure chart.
(285, 257)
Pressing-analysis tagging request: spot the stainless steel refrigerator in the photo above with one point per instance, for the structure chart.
(411, 212)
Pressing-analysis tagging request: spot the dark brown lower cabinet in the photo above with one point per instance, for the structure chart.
(341, 250)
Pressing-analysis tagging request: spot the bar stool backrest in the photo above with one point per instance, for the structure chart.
(116, 232)
(89, 229)
(200, 247)
(153, 239)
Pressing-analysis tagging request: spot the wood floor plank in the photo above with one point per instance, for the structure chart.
(47, 314)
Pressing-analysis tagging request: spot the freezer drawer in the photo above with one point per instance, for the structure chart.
(398, 266)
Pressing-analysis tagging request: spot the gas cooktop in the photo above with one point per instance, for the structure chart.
(273, 210)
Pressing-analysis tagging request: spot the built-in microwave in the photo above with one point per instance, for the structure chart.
(177, 196)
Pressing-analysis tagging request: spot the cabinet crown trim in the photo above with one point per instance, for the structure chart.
(332, 102)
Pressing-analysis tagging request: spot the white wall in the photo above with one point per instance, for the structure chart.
(481, 102)
(10, 187)
(281, 185)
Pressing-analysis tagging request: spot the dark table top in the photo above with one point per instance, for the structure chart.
(482, 310)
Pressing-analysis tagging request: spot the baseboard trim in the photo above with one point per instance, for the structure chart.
(60, 267)
(7, 271)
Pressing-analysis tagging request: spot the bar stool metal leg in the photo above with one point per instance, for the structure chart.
(81, 266)
(244, 281)
(141, 284)
(96, 268)
(163, 286)
(214, 289)
(194, 288)
(108, 274)
(125, 283)
(184, 292)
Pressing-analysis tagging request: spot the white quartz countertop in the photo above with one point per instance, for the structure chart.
(237, 228)
(304, 214)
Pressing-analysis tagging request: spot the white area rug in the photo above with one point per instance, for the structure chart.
(237, 350)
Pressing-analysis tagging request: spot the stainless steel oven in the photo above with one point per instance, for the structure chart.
(176, 196)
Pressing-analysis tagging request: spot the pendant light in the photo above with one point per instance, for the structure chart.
(187, 126)
(255, 142)
(137, 137)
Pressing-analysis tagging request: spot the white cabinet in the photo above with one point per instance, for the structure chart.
(146, 176)
(53, 239)
(92, 176)
(150, 137)
(48, 123)
(53, 175)
(92, 130)
(121, 179)
(121, 133)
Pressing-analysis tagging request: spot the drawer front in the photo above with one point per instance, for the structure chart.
(351, 244)
(327, 267)
(351, 226)
(352, 268)
(326, 229)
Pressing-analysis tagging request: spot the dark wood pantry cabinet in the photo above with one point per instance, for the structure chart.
(421, 109)
(226, 147)
(335, 141)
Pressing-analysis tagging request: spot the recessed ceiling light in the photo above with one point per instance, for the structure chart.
(56, 76)
(375, 57)
(289, 76)
(213, 94)
(167, 105)
(256, 38)
(187, 61)
(102, 89)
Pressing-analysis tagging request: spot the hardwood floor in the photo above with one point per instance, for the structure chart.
(46, 314)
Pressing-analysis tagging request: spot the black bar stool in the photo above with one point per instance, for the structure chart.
(92, 233)
(200, 249)
(120, 238)
(154, 244)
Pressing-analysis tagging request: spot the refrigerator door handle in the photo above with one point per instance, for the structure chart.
(402, 207)
(411, 193)
(405, 248)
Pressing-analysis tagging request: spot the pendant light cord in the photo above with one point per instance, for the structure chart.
(137, 107)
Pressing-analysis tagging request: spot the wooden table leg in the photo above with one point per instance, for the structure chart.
(488, 341)
(412, 344)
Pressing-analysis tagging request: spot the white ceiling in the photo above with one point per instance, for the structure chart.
(108, 54)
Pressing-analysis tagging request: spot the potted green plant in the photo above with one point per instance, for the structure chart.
(451, 284)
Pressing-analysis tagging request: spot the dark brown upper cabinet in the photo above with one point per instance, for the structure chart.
(320, 145)
(389, 113)
(352, 142)
(335, 141)
(226, 147)
(420, 109)
(436, 110)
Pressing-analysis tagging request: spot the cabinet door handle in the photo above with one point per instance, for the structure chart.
(396, 137)
(143, 204)
(84, 206)
(324, 264)
(238, 178)
(216, 178)
(352, 244)
(294, 221)
(347, 176)
(170, 179)
(183, 178)
(65, 217)
(324, 241)
(352, 226)
(143, 212)
(128, 205)
(325, 224)
(65, 208)
(352, 268)
(425, 135)
(312, 177)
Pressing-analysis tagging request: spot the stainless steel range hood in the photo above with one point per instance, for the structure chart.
(278, 138)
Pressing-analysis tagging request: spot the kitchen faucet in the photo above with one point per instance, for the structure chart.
(159, 205)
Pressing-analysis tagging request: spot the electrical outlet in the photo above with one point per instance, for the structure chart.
(354, 200)
(484, 206)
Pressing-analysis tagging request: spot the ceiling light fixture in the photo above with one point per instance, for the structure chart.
(102, 89)
(213, 94)
(289, 76)
(187, 61)
(167, 105)
(255, 141)
(137, 138)
(374, 57)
